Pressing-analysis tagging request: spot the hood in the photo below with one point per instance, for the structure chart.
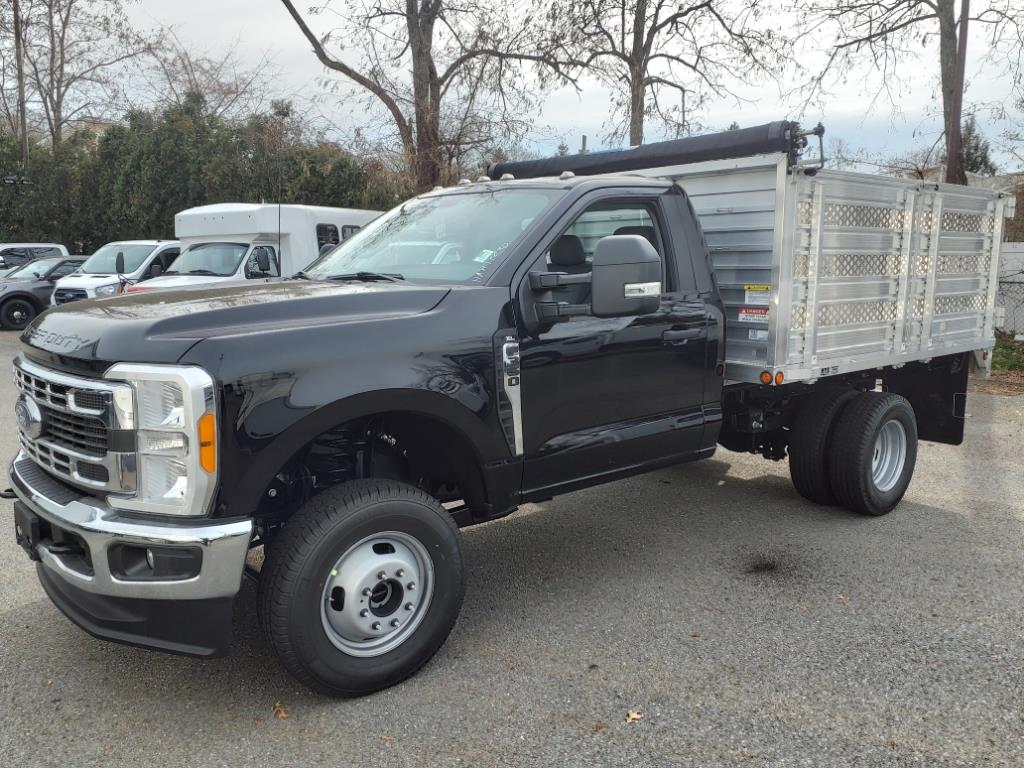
(185, 281)
(160, 326)
(86, 280)
(13, 283)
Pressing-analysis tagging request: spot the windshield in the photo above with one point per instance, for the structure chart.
(454, 237)
(209, 259)
(102, 262)
(34, 270)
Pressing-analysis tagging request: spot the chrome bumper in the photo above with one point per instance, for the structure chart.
(223, 544)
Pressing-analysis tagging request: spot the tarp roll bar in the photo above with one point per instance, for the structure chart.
(782, 136)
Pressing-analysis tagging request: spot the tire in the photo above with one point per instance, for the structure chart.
(341, 537)
(809, 443)
(17, 313)
(874, 450)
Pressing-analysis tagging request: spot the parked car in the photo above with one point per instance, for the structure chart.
(25, 291)
(16, 254)
(479, 347)
(98, 278)
(247, 241)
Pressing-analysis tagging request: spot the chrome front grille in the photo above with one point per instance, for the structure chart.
(78, 437)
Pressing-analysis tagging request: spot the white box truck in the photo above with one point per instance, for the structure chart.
(246, 241)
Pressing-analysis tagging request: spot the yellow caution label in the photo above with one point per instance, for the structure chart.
(748, 287)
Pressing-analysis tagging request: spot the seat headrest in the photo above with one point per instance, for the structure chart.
(568, 251)
(645, 232)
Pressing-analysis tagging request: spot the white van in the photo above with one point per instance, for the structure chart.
(143, 259)
(240, 241)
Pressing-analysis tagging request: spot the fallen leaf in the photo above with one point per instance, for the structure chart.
(279, 711)
(633, 715)
(387, 738)
(841, 598)
(598, 727)
(258, 719)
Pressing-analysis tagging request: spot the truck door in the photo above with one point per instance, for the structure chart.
(607, 396)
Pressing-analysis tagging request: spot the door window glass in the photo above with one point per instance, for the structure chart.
(573, 252)
(252, 266)
(66, 268)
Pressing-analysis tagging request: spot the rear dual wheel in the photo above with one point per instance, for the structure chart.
(854, 449)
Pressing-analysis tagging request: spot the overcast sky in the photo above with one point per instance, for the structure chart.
(263, 28)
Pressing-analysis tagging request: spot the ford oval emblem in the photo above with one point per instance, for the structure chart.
(30, 418)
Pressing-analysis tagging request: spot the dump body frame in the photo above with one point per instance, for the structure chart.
(826, 272)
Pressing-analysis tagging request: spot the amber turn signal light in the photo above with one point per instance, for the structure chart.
(766, 377)
(208, 442)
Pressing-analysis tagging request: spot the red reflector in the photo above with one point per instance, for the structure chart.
(137, 288)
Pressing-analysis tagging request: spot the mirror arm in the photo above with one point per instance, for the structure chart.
(545, 281)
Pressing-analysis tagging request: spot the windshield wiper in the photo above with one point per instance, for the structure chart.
(201, 272)
(391, 277)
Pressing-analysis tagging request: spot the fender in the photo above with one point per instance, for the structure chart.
(245, 475)
(16, 294)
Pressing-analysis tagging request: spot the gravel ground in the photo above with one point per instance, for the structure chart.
(745, 625)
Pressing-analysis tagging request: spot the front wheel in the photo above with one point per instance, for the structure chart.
(873, 453)
(15, 314)
(362, 586)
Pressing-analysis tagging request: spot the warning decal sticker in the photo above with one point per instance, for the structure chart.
(756, 295)
(754, 315)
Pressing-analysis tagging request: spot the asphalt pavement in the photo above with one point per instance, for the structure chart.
(738, 623)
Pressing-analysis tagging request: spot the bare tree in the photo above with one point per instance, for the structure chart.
(664, 58)
(888, 34)
(173, 70)
(448, 74)
(73, 49)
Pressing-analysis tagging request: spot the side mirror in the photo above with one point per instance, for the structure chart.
(326, 248)
(625, 277)
(263, 260)
(119, 263)
(155, 270)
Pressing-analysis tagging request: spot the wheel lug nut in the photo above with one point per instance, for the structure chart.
(364, 613)
(400, 573)
(381, 575)
(375, 626)
(408, 606)
(411, 586)
(367, 592)
(394, 622)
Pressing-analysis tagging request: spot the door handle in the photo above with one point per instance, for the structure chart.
(683, 336)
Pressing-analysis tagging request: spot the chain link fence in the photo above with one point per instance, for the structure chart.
(1011, 299)
(1011, 288)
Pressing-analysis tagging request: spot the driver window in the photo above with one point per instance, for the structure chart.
(573, 252)
(252, 267)
(64, 269)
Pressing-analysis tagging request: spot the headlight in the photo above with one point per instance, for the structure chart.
(106, 290)
(173, 412)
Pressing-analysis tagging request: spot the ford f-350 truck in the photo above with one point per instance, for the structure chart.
(565, 323)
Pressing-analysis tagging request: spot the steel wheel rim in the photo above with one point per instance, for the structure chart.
(377, 594)
(17, 314)
(890, 455)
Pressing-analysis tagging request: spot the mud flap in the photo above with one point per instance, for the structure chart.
(937, 391)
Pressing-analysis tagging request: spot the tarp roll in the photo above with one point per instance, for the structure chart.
(743, 142)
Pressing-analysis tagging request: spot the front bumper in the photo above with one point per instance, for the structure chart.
(182, 615)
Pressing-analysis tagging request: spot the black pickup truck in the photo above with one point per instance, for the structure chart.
(478, 347)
